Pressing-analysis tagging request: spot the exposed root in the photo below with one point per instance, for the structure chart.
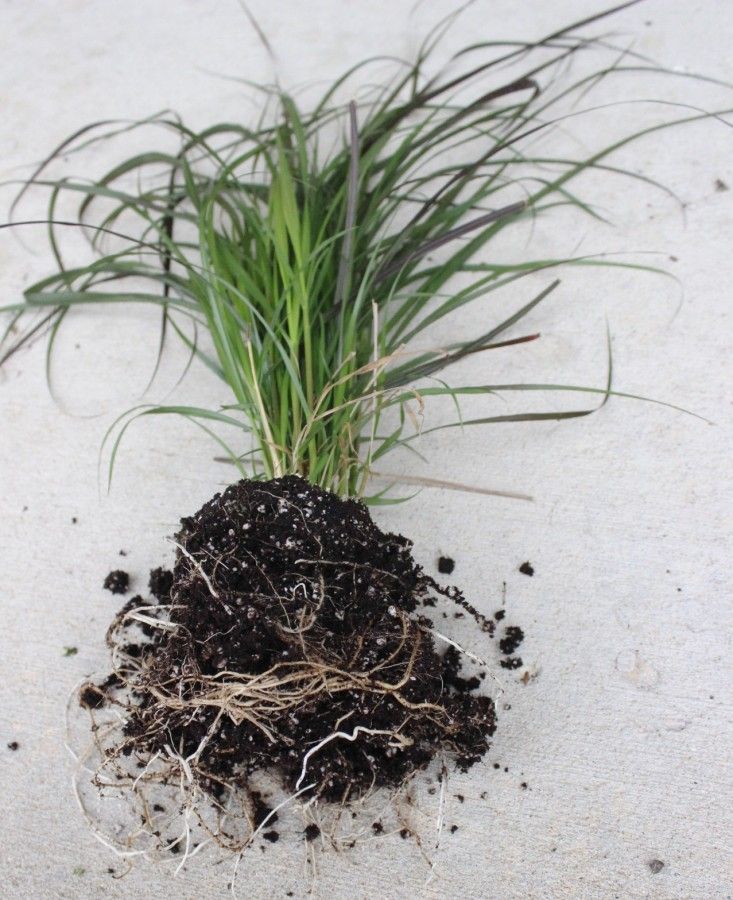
(290, 613)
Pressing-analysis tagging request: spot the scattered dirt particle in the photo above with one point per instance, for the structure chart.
(720, 185)
(74, 520)
(261, 810)
(499, 614)
(513, 637)
(655, 866)
(70, 651)
(527, 569)
(90, 696)
(497, 765)
(459, 797)
(511, 662)
(160, 583)
(453, 829)
(13, 745)
(405, 833)
(117, 582)
(523, 785)
(123, 552)
(158, 808)
(311, 832)
(272, 836)
(446, 565)
(377, 827)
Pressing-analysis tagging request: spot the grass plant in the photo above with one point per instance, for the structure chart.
(316, 247)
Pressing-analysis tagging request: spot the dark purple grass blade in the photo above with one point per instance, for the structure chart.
(441, 239)
(350, 222)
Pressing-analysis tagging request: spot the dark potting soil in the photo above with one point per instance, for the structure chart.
(446, 565)
(513, 637)
(117, 582)
(527, 569)
(293, 640)
(511, 662)
(160, 583)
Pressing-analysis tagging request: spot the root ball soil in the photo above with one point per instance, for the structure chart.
(291, 639)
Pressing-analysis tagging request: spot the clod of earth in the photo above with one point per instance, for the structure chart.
(160, 583)
(446, 565)
(511, 662)
(527, 569)
(513, 637)
(288, 639)
(117, 582)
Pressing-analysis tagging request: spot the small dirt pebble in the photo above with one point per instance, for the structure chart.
(655, 866)
(446, 565)
(117, 582)
(513, 637)
(160, 583)
(527, 569)
(512, 662)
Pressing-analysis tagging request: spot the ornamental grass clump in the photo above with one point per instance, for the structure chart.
(304, 260)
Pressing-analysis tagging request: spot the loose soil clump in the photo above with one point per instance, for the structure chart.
(291, 639)
(117, 582)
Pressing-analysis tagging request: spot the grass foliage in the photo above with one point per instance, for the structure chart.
(317, 246)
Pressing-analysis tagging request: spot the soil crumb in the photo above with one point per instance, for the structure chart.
(117, 582)
(527, 569)
(291, 643)
(655, 866)
(13, 745)
(311, 832)
(160, 584)
(91, 696)
(446, 565)
(513, 637)
(511, 662)
(721, 185)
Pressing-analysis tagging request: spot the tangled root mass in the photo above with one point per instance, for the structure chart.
(291, 639)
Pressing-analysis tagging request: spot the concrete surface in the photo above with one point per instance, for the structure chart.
(624, 735)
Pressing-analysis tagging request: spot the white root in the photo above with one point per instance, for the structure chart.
(401, 741)
(198, 566)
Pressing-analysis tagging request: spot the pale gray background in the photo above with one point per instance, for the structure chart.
(624, 736)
